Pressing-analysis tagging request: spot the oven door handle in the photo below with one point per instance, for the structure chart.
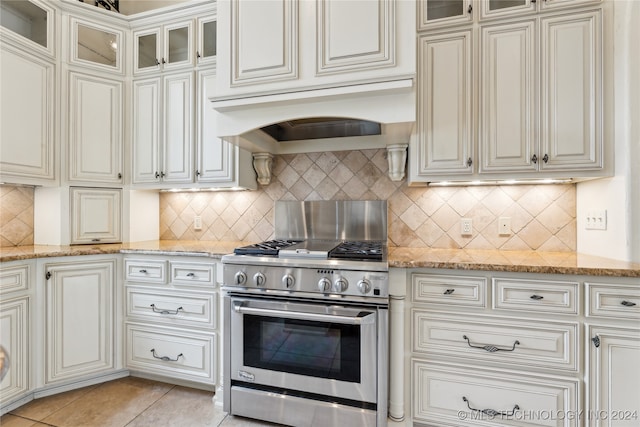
(239, 307)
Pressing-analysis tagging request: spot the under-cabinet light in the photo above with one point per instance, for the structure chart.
(200, 190)
(500, 182)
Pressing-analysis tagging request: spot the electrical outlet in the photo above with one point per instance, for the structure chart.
(504, 226)
(466, 227)
(596, 220)
(197, 223)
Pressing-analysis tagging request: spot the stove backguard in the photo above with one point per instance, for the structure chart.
(331, 220)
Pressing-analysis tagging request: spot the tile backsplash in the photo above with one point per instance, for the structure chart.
(543, 217)
(16, 215)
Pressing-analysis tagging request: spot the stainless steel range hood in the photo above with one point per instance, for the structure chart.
(363, 116)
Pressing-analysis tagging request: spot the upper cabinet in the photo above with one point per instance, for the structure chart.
(279, 46)
(94, 45)
(206, 40)
(538, 108)
(164, 47)
(31, 23)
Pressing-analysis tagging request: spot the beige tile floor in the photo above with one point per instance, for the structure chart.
(130, 402)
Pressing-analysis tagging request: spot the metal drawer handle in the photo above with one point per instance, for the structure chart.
(449, 291)
(166, 358)
(143, 271)
(163, 311)
(191, 275)
(628, 303)
(492, 412)
(491, 348)
(536, 297)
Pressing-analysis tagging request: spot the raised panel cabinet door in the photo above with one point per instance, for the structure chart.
(571, 103)
(354, 35)
(508, 97)
(445, 104)
(177, 154)
(14, 339)
(27, 117)
(96, 215)
(215, 157)
(614, 377)
(264, 41)
(95, 129)
(79, 319)
(146, 131)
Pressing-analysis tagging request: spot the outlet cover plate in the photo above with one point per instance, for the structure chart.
(504, 226)
(466, 227)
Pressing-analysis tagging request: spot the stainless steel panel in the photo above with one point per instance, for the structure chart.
(331, 220)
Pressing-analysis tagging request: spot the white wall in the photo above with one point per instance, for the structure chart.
(619, 195)
(143, 219)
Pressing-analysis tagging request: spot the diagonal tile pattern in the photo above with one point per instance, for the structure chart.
(542, 217)
(16, 215)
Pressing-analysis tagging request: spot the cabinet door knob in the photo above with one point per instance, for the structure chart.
(163, 61)
(545, 158)
(157, 175)
(157, 62)
(534, 159)
(119, 176)
(197, 54)
(469, 9)
(469, 162)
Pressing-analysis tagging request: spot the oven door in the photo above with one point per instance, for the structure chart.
(321, 349)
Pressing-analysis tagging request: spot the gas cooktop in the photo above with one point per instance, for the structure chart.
(316, 249)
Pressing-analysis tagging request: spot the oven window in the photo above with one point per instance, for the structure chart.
(316, 349)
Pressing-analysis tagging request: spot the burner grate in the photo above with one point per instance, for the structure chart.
(270, 247)
(362, 250)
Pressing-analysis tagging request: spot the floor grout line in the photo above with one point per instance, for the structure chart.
(150, 405)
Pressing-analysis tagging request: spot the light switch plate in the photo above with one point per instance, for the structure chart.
(596, 220)
(197, 223)
(504, 226)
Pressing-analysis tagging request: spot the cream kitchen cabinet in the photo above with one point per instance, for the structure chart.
(280, 46)
(31, 24)
(96, 129)
(163, 122)
(96, 215)
(28, 116)
(15, 321)
(164, 47)
(79, 299)
(438, 13)
(504, 9)
(171, 329)
(206, 40)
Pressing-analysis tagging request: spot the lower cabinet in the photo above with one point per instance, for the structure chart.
(80, 318)
(172, 319)
(520, 349)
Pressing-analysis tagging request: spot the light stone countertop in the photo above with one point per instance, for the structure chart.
(401, 257)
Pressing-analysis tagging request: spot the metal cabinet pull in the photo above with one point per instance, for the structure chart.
(469, 162)
(163, 61)
(469, 9)
(165, 311)
(628, 303)
(47, 276)
(491, 348)
(197, 54)
(596, 341)
(191, 275)
(119, 176)
(545, 158)
(95, 240)
(534, 159)
(449, 291)
(536, 297)
(157, 175)
(143, 271)
(157, 62)
(165, 358)
(492, 412)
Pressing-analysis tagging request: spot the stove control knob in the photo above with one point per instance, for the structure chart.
(324, 285)
(340, 285)
(288, 281)
(240, 278)
(259, 279)
(364, 286)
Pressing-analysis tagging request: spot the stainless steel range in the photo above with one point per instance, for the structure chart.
(306, 318)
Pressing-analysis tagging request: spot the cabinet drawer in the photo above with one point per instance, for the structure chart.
(449, 290)
(151, 271)
(193, 273)
(496, 340)
(439, 393)
(535, 295)
(14, 278)
(177, 353)
(193, 308)
(613, 301)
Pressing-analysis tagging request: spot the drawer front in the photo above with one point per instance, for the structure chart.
(177, 353)
(192, 308)
(149, 271)
(533, 295)
(192, 273)
(449, 290)
(541, 344)
(14, 278)
(621, 302)
(446, 395)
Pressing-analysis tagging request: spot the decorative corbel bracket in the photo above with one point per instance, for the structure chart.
(397, 157)
(263, 163)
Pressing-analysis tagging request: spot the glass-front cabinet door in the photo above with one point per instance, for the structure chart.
(178, 45)
(499, 8)
(30, 22)
(147, 50)
(97, 46)
(206, 40)
(433, 13)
